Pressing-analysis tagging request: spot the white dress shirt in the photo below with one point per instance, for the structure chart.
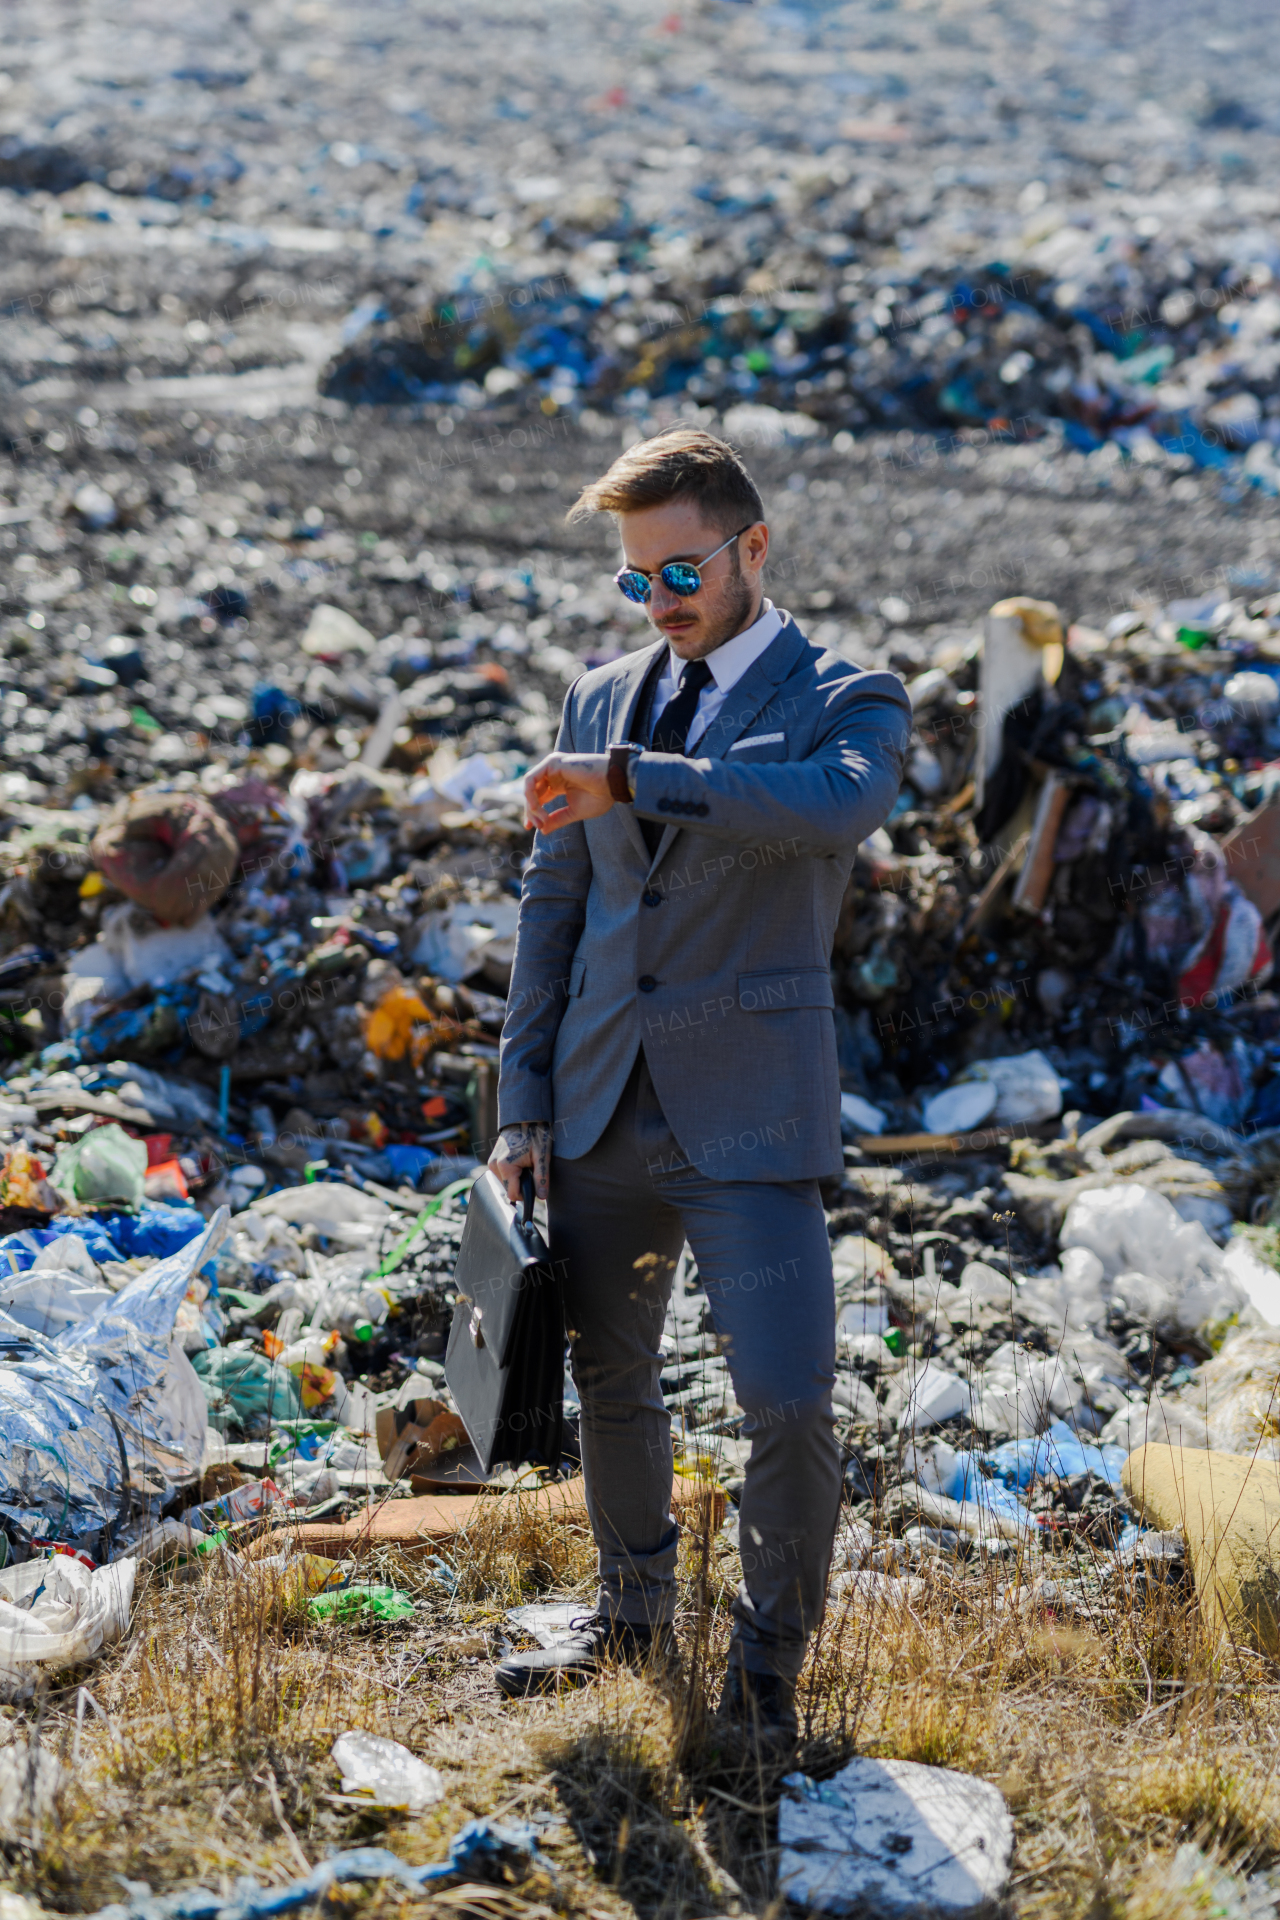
(728, 664)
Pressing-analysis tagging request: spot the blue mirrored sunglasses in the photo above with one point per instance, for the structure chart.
(678, 576)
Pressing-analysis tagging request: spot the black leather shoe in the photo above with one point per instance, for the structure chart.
(597, 1642)
(760, 1709)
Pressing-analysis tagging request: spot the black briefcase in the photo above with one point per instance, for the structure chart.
(505, 1363)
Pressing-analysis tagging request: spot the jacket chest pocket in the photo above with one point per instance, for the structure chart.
(756, 749)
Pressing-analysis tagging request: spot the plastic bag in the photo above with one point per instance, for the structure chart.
(48, 1302)
(1016, 1390)
(348, 1603)
(156, 1229)
(386, 1773)
(1027, 1088)
(1131, 1228)
(57, 1613)
(98, 1423)
(103, 1164)
(246, 1394)
(1058, 1453)
(1259, 1283)
(961, 1108)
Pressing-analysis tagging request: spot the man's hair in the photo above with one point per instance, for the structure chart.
(681, 464)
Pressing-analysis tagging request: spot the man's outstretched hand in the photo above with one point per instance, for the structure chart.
(566, 787)
(518, 1147)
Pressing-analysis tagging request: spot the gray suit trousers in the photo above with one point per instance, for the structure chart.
(619, 1217)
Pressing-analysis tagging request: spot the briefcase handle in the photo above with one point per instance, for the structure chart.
(526, 1194)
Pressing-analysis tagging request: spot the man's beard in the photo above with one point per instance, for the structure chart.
(733, 617)
(737, 607)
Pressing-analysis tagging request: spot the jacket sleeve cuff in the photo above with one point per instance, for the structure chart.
(523, 1101)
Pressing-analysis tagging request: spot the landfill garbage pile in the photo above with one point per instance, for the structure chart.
(268, 696)
(808, 217)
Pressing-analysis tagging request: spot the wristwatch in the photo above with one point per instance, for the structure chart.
(620, 761)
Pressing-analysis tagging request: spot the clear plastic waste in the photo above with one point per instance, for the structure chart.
(387, 1773)
(103, 1164)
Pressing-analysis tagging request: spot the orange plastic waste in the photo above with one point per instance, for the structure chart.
(388, 1027)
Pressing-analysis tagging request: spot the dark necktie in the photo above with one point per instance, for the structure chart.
(671, 730)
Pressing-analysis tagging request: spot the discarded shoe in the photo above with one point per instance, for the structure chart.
(596, 1642)
(760, 1712)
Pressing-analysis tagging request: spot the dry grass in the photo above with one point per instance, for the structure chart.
(201, 1748)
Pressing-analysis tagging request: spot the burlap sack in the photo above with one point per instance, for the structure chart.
(169, 852)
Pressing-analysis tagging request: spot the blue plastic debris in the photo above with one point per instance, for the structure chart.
(409, 1163)
(1058, 1453)
(483, 1849)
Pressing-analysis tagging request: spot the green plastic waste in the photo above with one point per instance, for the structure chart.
(246, 1393)
(432, 1207)
(361, 1600)
(103, 1164)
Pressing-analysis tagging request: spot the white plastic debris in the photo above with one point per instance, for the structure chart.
(986, 1284)
(330, 630)
(892, 1837)
(961, 1108)
(386, 1773)
(335, 1210)
(450, 941)
(48, 1301)
(58, 1613)
(929, 1396)
(30, 1778)
(1028, 1090)
(463, 782)
(552, 1624)
(853, 1400)
(135, 945)
(860, 1114)
(1164, 1269)
(1259, 1283)
(1254, 696)
(866, 1312)
(889, 1589)
(1018, 1391)
(858, 1263)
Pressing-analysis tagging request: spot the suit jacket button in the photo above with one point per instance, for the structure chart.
(651, 897)
(702, 807)
(646, 983)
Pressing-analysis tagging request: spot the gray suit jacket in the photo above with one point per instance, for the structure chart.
(714, 954)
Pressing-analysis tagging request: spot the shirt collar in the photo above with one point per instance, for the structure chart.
(730, 661)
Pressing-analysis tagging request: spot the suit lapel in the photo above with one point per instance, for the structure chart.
(624, 699)
(743, 704)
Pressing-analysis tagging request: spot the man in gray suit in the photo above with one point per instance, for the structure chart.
(669, 1039)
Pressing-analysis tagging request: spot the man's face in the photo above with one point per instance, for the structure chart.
(729, 597)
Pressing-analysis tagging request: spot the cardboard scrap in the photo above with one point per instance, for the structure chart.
(433, 1520)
